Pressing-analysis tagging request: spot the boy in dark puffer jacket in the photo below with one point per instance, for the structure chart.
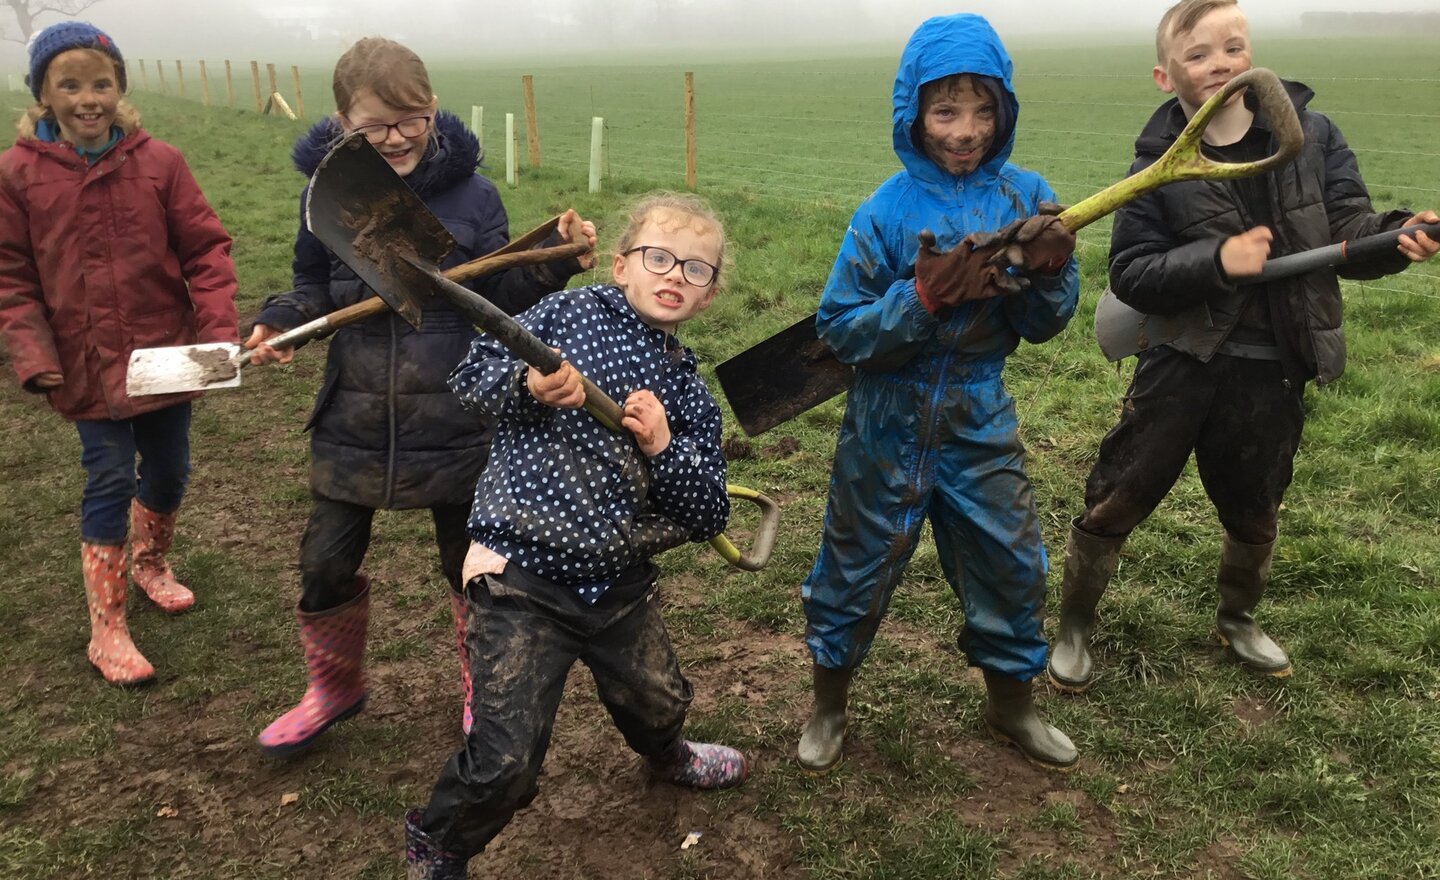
(1231, 388)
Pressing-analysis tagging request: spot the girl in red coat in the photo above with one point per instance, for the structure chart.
(107, 245)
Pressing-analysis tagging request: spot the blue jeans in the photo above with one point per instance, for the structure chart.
(108, 450)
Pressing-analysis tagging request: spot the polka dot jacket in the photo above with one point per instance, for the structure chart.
(563, 496)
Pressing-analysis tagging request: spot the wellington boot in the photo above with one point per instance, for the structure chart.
(700, 765)
(150, 537)
(1244, 572)
(1010, 714)
(457, 609)
(424, 859)
(822, 744)
(334, 646)
(110, 649)
(1090, 562)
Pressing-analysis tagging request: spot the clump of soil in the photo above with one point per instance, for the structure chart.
(737, 449)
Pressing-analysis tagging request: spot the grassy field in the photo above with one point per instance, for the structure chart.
(1190, 767)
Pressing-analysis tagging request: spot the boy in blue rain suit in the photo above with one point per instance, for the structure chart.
(917, 303)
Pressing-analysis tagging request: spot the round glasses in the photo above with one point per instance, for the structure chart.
(659, 261)
(409, 127)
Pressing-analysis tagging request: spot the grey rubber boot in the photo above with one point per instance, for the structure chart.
(1090, 561)
(823, 742)
(1244, 572)
(1010, 714)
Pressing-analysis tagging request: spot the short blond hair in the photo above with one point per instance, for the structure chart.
(665, 208)
(1182, 18)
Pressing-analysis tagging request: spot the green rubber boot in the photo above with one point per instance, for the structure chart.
(1244, 572)
(823, 742)
(1010, 714)
(1090, 561)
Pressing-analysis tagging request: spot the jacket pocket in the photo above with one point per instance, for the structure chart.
(322, 400)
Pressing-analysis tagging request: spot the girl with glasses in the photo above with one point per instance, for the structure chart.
(386, 432)
(561, 567)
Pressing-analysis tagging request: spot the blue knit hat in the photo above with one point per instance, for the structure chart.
(63, 37)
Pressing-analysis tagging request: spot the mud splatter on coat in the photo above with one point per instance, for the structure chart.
(564, 497)
(929, 430)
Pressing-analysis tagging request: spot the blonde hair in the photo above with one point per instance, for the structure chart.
(386, 69)
(1182, 18)
(673, 210)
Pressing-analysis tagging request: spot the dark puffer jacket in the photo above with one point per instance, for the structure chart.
(386, 432)
(1164, 251)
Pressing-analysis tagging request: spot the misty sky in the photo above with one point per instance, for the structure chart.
(199, 28)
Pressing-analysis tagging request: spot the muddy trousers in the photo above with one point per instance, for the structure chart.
(524, 635)
(337, 537)
(1240, 417)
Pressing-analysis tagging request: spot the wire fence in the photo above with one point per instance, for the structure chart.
(823, 137)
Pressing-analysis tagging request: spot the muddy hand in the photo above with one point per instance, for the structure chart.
(574, 229)
(1419, 247)
(264, 354)
(561, 389)
(957, 275)
(645, 418)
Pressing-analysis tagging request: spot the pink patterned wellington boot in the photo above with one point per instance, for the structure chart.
(457, 607)
(334, 646)
(110, 647)
(700, 765)
(150, 537)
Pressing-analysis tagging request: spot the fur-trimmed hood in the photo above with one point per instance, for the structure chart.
(127, 116)
(452, 156)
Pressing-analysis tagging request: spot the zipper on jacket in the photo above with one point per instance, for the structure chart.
(391, 416)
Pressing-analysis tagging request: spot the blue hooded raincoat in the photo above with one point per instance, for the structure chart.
(929, 429)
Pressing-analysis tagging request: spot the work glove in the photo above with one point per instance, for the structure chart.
(978, 267)
(957, 275)
(1039, 243)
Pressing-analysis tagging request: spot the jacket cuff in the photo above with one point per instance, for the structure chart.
(929, 305)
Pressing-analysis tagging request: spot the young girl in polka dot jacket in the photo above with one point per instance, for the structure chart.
(559, 570)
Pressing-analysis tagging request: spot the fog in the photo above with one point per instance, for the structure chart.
(626, 30)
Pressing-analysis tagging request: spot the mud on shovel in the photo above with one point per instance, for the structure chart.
(369, 218)
(779, 378)
(206, 366)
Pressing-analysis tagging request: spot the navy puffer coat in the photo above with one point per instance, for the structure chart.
(386, 432)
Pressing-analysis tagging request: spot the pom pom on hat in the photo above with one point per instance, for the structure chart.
(63, 37)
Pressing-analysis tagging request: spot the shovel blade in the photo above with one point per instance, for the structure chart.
(368, 217)
(779, 378)
(182, 368)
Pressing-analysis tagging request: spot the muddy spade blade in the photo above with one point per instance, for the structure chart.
(183, 368)
(364, 212)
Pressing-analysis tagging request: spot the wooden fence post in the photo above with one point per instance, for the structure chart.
(299, 99)
(204, 84)
(477, 124)
(270, 72)
(180, 76)
(160, 69)
(229, 85)
(255, 77)
(532, 129)
(512, 174)
(689, 129)
(144, 76)
(597, 150)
